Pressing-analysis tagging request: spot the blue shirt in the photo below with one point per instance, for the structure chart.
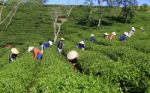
(80, 46)
(46, 45)
(92, 39)
(122, 38)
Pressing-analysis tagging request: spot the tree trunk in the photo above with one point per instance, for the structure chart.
(99, 23)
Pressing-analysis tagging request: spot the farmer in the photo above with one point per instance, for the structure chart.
(45, 45)
(131, 32)
(112, 36)
(13, 54)
(60, 45)
(81, 45)
(123, 37)
(36, 53)
(73, 57)
(142, 29)
(92, 38)
(106, 35)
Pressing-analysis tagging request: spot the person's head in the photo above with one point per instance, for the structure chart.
(81, 42)
(62, 39)
(92, 35)
(14, 51)
(114, 33)
(72, 55)
(50, 42)
(30, 49)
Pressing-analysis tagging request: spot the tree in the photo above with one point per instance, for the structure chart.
(14, 4)
(59, 16)
(100, 12)
(127, 9)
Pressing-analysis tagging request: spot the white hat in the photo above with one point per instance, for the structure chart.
(72, 55)
(133, 28)
(142, 28)
(14, 51)
(30, 49)
(114, 33)
(126, 33)
(62, 39)
(50, 42)
(92, 35)
(106, 34)
(81, 42)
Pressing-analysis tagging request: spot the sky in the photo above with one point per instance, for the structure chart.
(79, 2)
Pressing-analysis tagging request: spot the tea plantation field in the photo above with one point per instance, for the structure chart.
(108, 66)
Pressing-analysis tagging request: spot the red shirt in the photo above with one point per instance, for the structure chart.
(36, 51)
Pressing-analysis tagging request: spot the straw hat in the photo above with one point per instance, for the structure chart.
(126, 33)
(92, 35)
(50, 42)
(114, 33)
(62, 39)
(72, 55)
(106, 34)
(14, 51)
(142, 28)
(133, 28)
(81, 42)
(30, 49)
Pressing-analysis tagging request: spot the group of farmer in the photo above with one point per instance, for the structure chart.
(72, 56)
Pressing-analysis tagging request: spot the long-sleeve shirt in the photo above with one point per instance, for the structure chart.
(81, 46)
(92, 39)
(12, 57)
(36, 51)
(46, 45)
(60, 45)
(122, 38)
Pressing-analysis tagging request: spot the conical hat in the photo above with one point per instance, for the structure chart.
(30, 49)
(92, 35)
(81, 42)
(72, 55)
(126, 33)
(106, 34)
(133, 28)
(62, 39)
(114, 33)
(14, 51)
(50, 42)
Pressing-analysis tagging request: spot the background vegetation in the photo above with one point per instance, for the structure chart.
(109, 66)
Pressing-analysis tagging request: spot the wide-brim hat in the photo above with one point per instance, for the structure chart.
(126, 33)
(30, 49)
(92, 35)
(81, 42)
(106, 34)
(62, 39)
(50, 42)
(114, 33)
(72, 55)
(14, 51)
(133, 28)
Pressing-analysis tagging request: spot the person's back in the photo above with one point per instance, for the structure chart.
(13, 54)
(46, 45)
(92, 39)
(80, 46)
(12, 57)
(37, 54)
(122, 37)
(60, 44)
